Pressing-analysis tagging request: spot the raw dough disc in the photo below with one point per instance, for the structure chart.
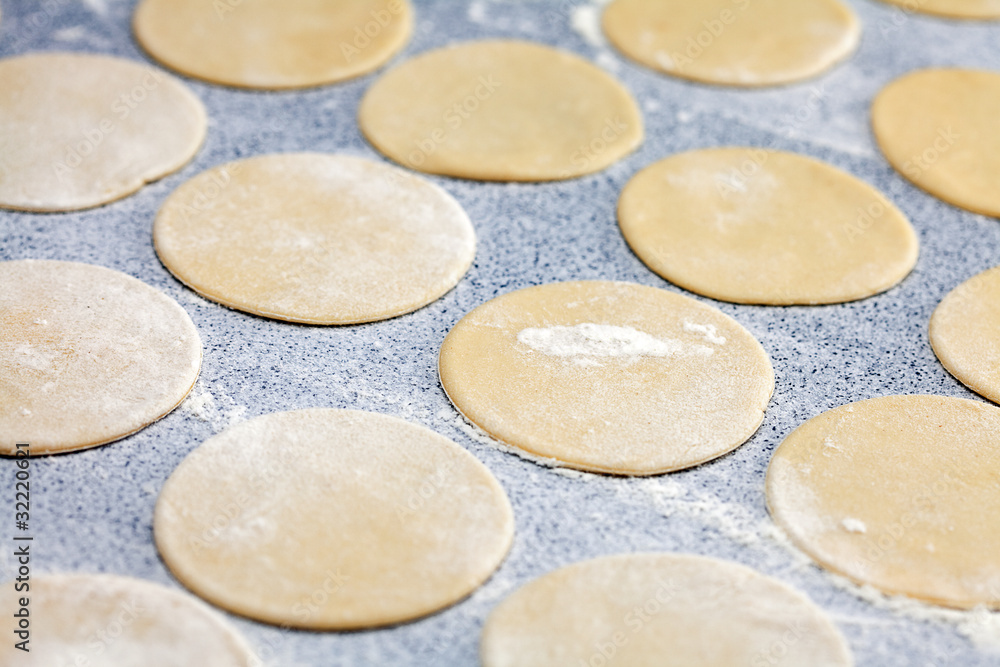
(965, 333)
(110, 621)
(734, 42)
(898, 492)
(263, 44)
(501, 111)
(87, 355)
(317, 239)
(959, 9)
(332, 520)
(951, 148)
(608, 377)
(659, 610)
(80, 130)
(762, 227)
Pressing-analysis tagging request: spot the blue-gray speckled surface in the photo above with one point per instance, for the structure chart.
(93, 509)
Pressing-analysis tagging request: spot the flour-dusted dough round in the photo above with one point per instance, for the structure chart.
(958, 9)
(659, 610)
(763, 227)
(734, 42)
(111, 621)
(270, 44)
(80, 130)
(608, 377)
(316, 239)
(332, 519)
(898, 492)
(87, 355)
(965, 333)
(951, 148)
(501, 111)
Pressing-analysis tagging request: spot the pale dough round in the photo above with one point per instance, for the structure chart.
(734, 42)
(659, 610)
(316, 239)
(763, 227)
(608, 377)
(958, 9)
(266, 44)
(80, 130)
(111, 621)
(965, 333)
(899, 493)
(501, 111)
(87, 355)
(332, 520)
(951, 148)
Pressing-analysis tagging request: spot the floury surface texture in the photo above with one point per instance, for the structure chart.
(93, 510)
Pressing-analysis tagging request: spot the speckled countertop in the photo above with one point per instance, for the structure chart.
(93, 510)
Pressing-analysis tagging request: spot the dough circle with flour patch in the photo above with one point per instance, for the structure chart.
(110, 621)
(900, 493)
(659, 610)
(501, 110)
(332, 520)
(265, 44)
(80, 130)
(734, 42)
(608, 377)
(753, 226)
(957, 9)
(315, 239)
(88, 355)
(950, 149)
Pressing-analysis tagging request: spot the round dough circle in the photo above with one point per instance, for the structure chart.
(80, 130)
(608, 377)
(332, 520)
(87, 355)
(501, 110)
(659, 610)
(734, 42)
(316, 239)
(262, 44)
(965, 333)
(897, 492)
(950, 149)
(109, 621)
(957, 9)
(753, 226)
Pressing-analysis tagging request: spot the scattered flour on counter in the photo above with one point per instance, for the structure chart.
(585, 343)
(202, 405)
(482, 437)
(586, 21)
(477, 12)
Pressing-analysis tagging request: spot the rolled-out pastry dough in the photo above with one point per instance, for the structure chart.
(957, 9)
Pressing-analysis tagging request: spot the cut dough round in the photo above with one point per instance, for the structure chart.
(317, 239)
(659, 610)
(951, 148)
(608, 377)
(965, 333)
(957, 9)
(897, 492)
(332, 520)
(501, 111)
(87, 355)
(110, 621)
(734, 42)
(763, 227)
(263, 44)
(80, 130)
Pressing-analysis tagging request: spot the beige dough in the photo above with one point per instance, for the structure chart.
(734, 42)
(87, 355)
(897, 492)
(264, 44)
(951, 148)
(110, 621)
(659, 610)
(608, 377)
(959, 9)
(965, 333)
(501, 111)
(761, 227)
(78, 131)
(317, 239)
(332, 520)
